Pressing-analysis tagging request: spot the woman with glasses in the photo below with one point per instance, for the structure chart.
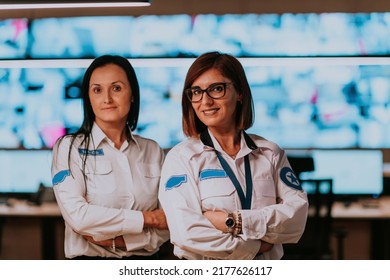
(227, 194)
(106, 179)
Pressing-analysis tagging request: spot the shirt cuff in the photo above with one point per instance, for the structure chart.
(134, 222)
(253, 226)
(245, 250)
(136, 241)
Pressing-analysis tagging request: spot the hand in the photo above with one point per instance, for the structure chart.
(119, 242)
(155, 219)
(265, 247)
(103, 243)
(217, 218)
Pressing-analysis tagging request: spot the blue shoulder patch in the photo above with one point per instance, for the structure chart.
(175, 181)
(98, 152)
(288, 177)
(60, 176)
(212, 173)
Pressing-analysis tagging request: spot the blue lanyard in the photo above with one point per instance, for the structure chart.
(246, 200)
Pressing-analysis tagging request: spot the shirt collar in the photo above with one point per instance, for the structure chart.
(97, 135)
(132, 138)
(247, 144)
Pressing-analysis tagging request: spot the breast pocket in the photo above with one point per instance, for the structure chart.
(217, 194)
(101, 179)
(151, 173)
(263, 193)
(151, 170)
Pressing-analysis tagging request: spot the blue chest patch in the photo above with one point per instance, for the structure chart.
(175, 181)
(60, 176)
(288, 177)
(98, 152)
(212, 173)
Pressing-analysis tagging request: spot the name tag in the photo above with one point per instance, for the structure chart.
(98, 152)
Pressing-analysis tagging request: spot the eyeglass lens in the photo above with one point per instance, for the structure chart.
(214, 91)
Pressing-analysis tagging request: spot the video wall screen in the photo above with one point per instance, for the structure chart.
(349, 175)
(300, 101)
(22, 172)
(297, 107)
(246, 35)
(14, 37)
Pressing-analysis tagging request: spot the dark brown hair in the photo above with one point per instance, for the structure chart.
(230, 68)
(89, 116)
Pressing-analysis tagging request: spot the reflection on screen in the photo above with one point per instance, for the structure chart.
(190, 35)
(354, 172)
(304, 104)
(21, 171)
(306, 107)
(13, 38)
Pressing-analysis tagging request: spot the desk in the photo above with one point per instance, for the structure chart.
(47, 215)
(365, 221)
(368, 228)
(360, 231)
(358, 210)
(23, 209)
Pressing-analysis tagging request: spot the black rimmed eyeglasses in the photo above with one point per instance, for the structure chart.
(214, 91)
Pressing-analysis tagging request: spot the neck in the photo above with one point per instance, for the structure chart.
(116, 134)
(229, 141)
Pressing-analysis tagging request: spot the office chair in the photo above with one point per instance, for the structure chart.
(318, 229)
(315, 242)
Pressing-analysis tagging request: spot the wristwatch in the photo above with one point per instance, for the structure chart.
(230, 223)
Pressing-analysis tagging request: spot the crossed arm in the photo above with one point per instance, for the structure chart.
(156, 219)
(217, 218)
(152, 219)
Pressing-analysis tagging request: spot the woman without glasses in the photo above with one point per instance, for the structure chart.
(105, 178)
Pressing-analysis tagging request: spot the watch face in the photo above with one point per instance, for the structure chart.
(229, 222)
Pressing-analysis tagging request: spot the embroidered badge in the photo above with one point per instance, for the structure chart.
(98, 152)
(60, 177)
(175, 181)
(212, 173)
(288, 177)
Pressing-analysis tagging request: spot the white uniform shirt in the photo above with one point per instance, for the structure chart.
(193, 181)
(119, 185)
